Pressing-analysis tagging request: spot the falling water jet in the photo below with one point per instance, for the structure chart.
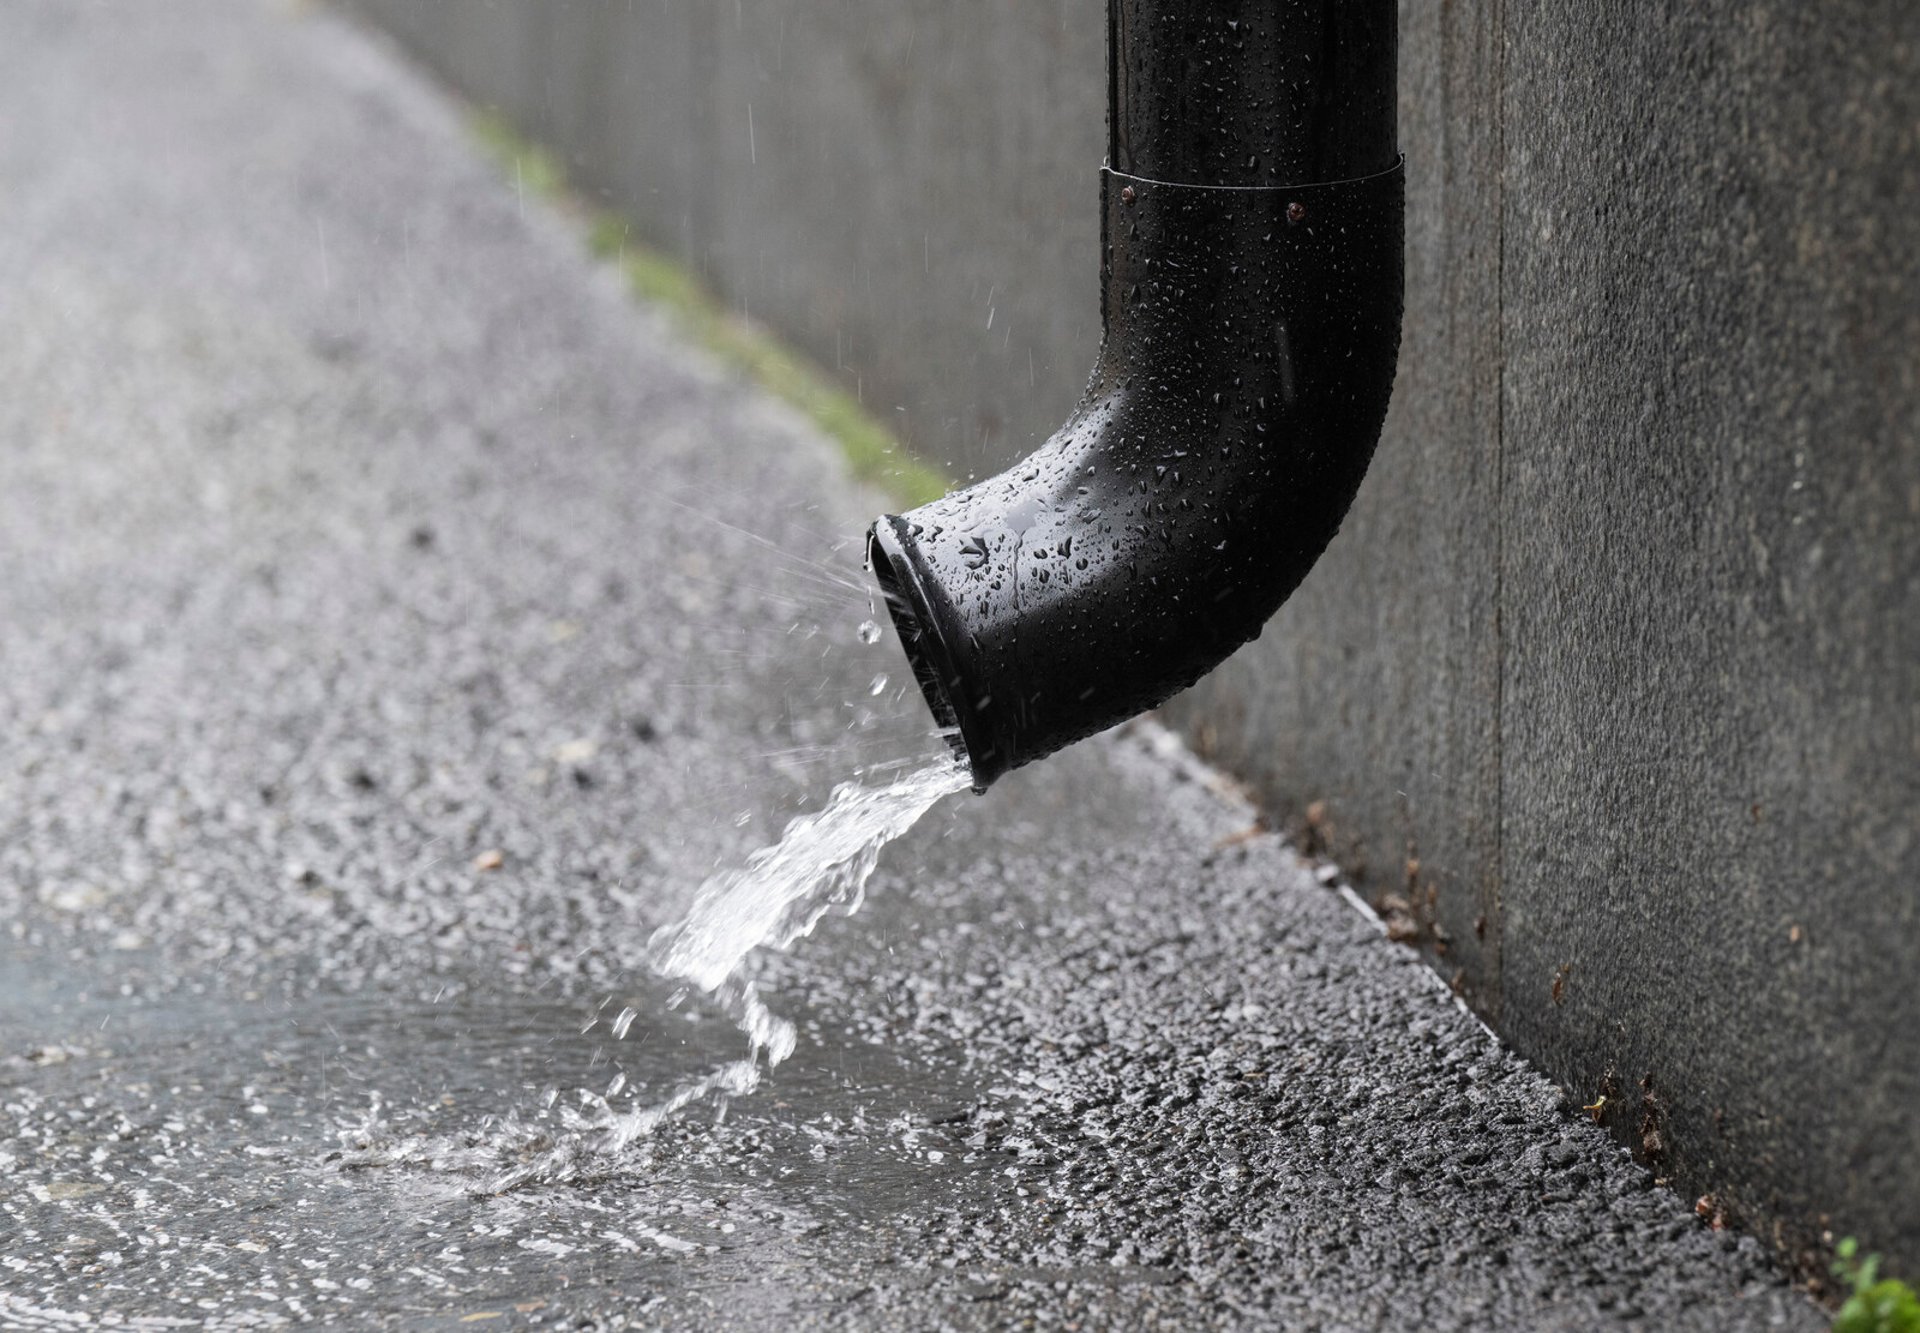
(821, 862)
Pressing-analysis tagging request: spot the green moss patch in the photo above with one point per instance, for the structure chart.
(871, 450)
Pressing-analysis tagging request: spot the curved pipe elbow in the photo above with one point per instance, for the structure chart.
(1250, 341)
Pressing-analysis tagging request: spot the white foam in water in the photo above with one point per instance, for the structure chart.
(821, 862)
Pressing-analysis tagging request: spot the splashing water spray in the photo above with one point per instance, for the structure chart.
(1251, 296)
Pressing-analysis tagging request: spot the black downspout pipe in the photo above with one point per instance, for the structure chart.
(1250, 296)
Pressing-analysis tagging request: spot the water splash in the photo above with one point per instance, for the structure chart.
(821, 862)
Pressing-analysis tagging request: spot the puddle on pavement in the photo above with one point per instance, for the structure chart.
(343, 1151)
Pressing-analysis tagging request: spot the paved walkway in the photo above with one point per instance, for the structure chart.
(399, 624)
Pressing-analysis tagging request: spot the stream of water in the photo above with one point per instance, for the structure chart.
(821, 862)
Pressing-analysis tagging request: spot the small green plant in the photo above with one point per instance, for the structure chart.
(870, 449)
(1877, 1305)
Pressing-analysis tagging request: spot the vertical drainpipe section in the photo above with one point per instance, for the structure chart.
(1250, 302)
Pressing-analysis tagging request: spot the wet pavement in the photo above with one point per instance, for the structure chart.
(401, 624)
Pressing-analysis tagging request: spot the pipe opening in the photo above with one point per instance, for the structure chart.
(919, 637)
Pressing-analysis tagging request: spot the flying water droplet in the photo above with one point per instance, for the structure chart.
(623, 1024)
(879, 683)
(869, 631)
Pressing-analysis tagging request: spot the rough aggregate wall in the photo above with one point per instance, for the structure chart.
(1613, 673)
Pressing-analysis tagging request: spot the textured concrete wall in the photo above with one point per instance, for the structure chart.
(909, 189)
(1710, 495)
(1614, 674)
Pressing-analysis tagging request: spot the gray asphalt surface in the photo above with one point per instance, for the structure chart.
(355, 525)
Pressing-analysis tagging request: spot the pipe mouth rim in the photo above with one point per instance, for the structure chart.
(891, 552)
(1399, 164)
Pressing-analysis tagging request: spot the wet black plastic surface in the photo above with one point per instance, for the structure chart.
(1249, 357)
(1250, 92)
